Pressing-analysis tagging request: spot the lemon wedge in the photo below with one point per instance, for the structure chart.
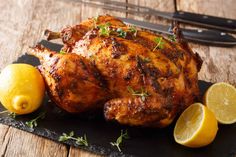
(220, 98)
(196, 126)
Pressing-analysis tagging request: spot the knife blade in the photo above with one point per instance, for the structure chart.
(223, 24)
(209, 37)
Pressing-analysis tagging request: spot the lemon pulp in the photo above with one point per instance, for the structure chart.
(196, 126)
(220, 98)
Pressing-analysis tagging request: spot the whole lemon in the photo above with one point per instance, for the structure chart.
(21, 88)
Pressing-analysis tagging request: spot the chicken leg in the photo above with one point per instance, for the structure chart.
(73, 82)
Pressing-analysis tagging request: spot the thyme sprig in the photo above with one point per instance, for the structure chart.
(62, 52)
(81, 141)
(172, 38)
(146, 59)
(159, 43)
(141, 93)
(133, 30)
(33, 123)
(95, 21)
(119, 140)
(105, 30)
(121, 33)
(11, 114)
(5, 111)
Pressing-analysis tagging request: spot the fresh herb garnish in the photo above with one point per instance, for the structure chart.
(141, 93)
(33, 123)
(96, 18)
(119, 140)
(104, 30)
(133, 30)
(172, 38)
(62, 52)
(146, 59)
(121, 33)
(11, 114)
(95, 21)
(81, 141)
(159, 43)
(3, 112)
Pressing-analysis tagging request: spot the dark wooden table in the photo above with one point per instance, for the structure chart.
(22, 23)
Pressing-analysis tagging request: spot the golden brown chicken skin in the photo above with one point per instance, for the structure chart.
(73, 82)
(70, 35)
(149, 79)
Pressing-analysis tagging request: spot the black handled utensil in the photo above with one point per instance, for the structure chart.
(209, 37)
(227, 25)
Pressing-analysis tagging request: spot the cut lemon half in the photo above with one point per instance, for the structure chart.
(220, 98)
(196, 126)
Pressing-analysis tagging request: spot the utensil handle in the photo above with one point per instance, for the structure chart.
(210, 37)
(206, 20)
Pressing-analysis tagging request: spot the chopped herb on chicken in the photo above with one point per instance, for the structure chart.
(104, 30)
(159, 43)
(121, 33)
(133, 30)
(141, 93)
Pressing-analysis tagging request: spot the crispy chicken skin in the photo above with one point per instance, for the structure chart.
(74, 83)
(138, 81)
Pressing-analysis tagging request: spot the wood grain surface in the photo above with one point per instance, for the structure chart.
(22, 23)
(219, 63)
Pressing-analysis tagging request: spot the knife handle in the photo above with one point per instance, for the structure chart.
(209, 37)
(206, 20)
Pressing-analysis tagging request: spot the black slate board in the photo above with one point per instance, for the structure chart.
(142, 142)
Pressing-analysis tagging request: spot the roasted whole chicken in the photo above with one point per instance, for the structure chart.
(139, 78)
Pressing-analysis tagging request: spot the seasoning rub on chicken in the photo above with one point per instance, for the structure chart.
(139, 78)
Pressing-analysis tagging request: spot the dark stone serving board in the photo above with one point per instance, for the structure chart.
(143, 141)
